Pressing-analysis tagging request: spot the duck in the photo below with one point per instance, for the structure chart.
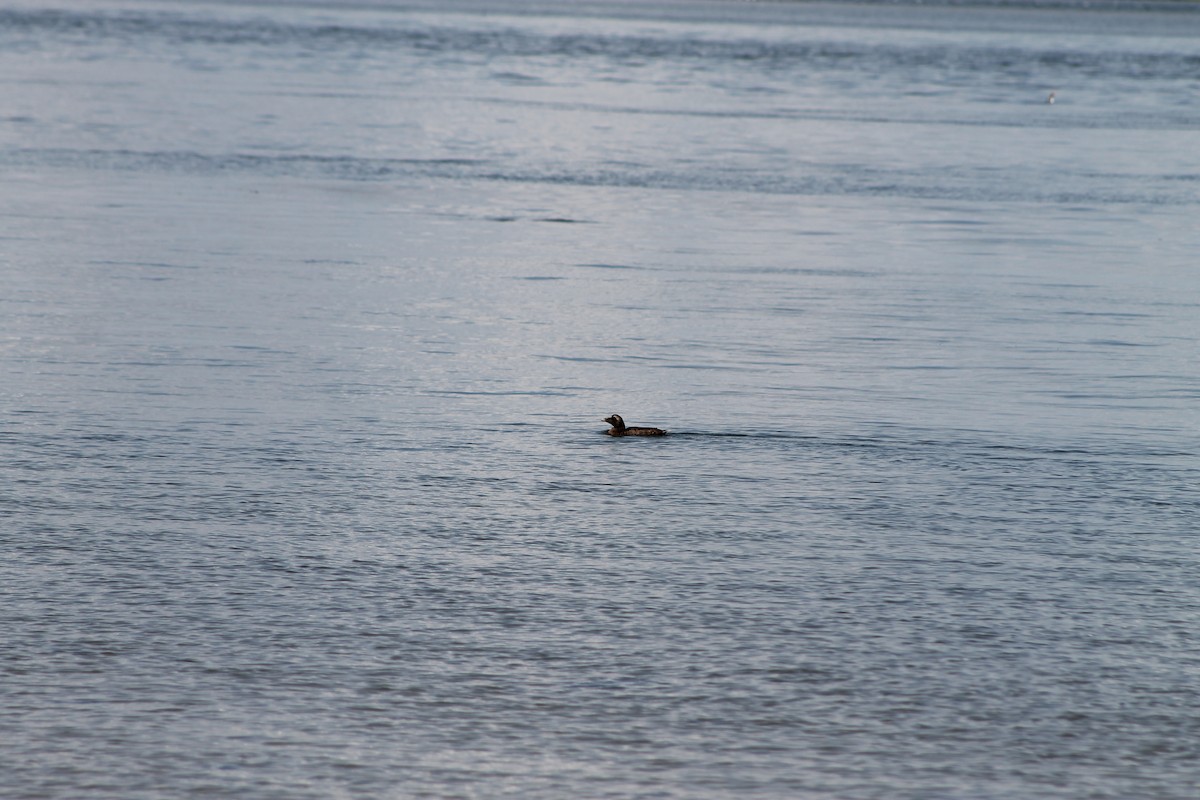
(618, 428)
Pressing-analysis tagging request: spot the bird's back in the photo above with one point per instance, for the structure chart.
(643, 432)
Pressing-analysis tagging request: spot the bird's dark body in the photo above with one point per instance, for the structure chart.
(620, 429)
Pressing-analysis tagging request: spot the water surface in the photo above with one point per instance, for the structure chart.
(311, 314)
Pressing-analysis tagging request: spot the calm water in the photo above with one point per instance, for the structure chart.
(309, 316)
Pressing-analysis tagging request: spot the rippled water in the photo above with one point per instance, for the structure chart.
(310, 315)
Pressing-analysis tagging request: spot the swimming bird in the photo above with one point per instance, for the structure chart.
(618, 428)
(1050, 99)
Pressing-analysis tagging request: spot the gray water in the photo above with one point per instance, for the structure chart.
(309, 316)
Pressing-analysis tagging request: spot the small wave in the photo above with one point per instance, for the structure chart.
(615, 266)
(801, 51)
(836, 181)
